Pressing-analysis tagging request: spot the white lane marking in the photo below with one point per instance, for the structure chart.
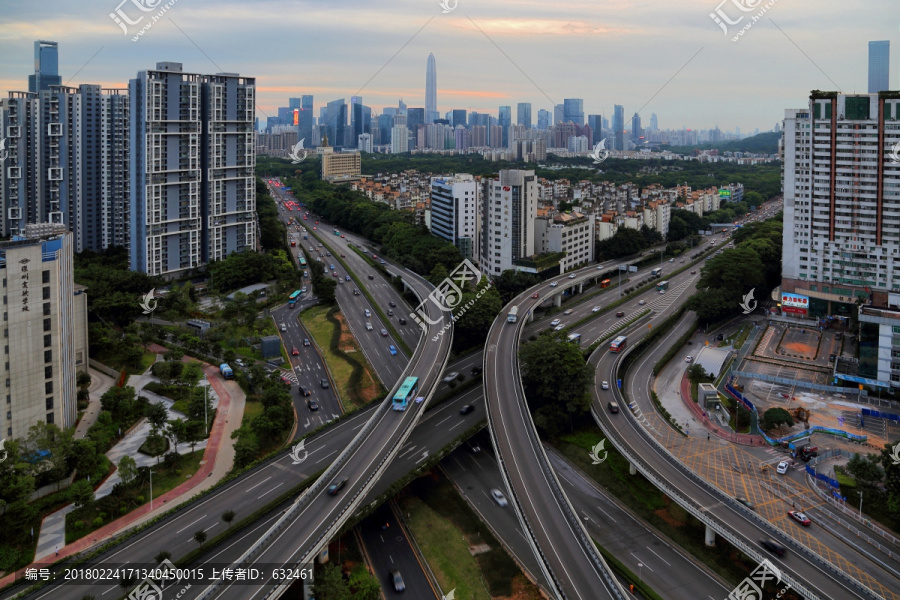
(271, 489)
(189, 524)
(257, 485)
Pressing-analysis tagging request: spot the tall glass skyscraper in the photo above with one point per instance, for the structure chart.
(46, 67)
(524, 114)
(618, 126)
(431, 112)
(879, 66)
(505, 120)
(573, 110)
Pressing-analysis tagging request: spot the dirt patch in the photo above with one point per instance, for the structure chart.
(522, 589)
(666, 515)
(368, 389)
(346, 343)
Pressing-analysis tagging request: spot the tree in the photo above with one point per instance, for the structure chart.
(195, 432)
(245, 450)
(891, 479)
(325, 290)
(172, 461)
(774, 417)
(624, 243)
(200, 405)
(363, 584)
(866, 471)
(127, 469)
(697, 374)
(200, 537)
(48, 437)
(330, 584)
(438, 274)
(82, 493)
(156, 414)
(511, 283)
(83, 379)
(161, 556)
(176, 431)
(474, 315)
(228, 516)
(84, 457)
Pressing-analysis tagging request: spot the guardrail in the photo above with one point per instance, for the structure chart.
(720, 528)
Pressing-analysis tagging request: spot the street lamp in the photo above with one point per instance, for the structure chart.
(205, 403)
(640, 571)
(151, 488)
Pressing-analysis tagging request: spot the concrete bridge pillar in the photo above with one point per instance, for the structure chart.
(530, 318)
(710, 537)
(557, 300)
(632, 470)
(580, 287)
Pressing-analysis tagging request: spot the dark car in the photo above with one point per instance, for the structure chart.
(476, 370)
(402, 321)
(720, 337)
(466, 409)
(304, 391)
(397, 580)
(325, 385)
(392, 304)
(745, 502)
(613, 407)
(773, 546)
(831, 357)
(306, 341)
(286, 381)
(620, 314)
(336, 486)
(371, 277)
(312, 404)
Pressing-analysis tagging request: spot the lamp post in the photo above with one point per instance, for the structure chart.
(205, 403)
(151, 488)
(640, 571)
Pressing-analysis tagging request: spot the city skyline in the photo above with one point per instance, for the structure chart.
(487, 61)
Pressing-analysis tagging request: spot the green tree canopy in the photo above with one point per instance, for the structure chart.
(774, 417)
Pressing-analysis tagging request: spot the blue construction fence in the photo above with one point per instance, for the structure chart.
(868, 412)
(800, 434)
(832, 482)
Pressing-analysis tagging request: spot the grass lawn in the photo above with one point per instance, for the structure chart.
(353, 394)
(653, 506)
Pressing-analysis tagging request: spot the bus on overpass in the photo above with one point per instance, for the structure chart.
(618, 344)
(662, 286)
(406, 392)
(292, 299)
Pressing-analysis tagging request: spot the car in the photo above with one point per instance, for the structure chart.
(312, 404)
(356, 292)
(498, 497)
(343, 237)
(384, 333)
(367, 312)
(799, 517)
(342, 255)
(287, 382)
(773, 546)
(382, 261)
(596, 309)
(393, 350)
(662, 291)
(373, 256)
(369, 326)
(334, 274)
(346, 278)
(571, 275)
(671, 260)
(331, 267)
(554, 322)
(554, 284)
(782, 467)
(642, 302)
(306, 341)
(682, 261)
(392, 304)
(613, 407)
(745, 502)
(720, 337)
(239, 362)
(371, 277)
(283, 327)
(304, 391)
(295, 351)
(315, 228)
(693, 272)
(604, 385)
(476, 370)
(397, 580)
(474, 447)
(559, 327)
(620, 313)
(420, 399)
(336, 486)
(324, 384)
(390, 313)
(688, 359)
(402, 321)
(466, 409)
(328, 254)
(568, 311)
(450, 377)
(535, 295)
(831, 357)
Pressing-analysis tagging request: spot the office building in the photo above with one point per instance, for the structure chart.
(458, 117)
(192, 186)
(842, 201)
(360, 120)
(431, 111)
(340, 166)
(596, 124)
(46, 67)
(618, 126)
(559, 114)
(455, 212)
(508, 211)
(654, 124)
(399, 139)
(573, 110)
(335, 122)
(415, 118)
(305, 121)
(570, 233)
(523, 114)
(543, 119)
(504, 120)
(637, 131)
(879, 66)
(45, 328)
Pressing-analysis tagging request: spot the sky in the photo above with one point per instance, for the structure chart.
(665, 57)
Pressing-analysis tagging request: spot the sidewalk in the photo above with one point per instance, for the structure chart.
(218, 459)
(100, 383)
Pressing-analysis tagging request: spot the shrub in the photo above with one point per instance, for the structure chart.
(98, 522)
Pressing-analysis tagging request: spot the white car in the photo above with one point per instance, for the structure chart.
(662, 291)
(595, 309)
(498, 497)
(559, 327)
(782, 467)
(604, 385)
(642, 302)
(572, 276)
(283, 327)
(369, 326)
(671, 260)
(688, 359)
(554, 284)
(555, 322)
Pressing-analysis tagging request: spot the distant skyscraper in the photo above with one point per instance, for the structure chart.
(618, 126)
(505, 120)
(431, 112)
(458, 117)
(360, 119)
(46, 66)
(304, 129)
(414, 118)
(559, 114)
(596, 124)
(523, 115)
(543, 119)
(336, 122)
(879, 66)
(355, 100)
(399, 139)
(654, 123)
(573, 110)
(637, 132)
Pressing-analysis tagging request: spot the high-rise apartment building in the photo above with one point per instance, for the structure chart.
(455, 212)
(654, 124)
(573, 110)
(431, 111)
(192, 184)
(523, 114)
(842, 200)
(399, 139)
(508, 211)
(559, 114)
(618, 126)
(45, 329)
(879, 66)
(46, 67)
(571, 234)
(364, 142)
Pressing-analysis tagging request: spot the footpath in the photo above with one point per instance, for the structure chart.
(218, 459)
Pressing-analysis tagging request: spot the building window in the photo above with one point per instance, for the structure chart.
(46, 309)
(48, 371)
(50, 418)
(45, 277)
(46, 341)
(48, 356)
(46, 324)
(50, 403)
(48, 387)
(46, 295)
